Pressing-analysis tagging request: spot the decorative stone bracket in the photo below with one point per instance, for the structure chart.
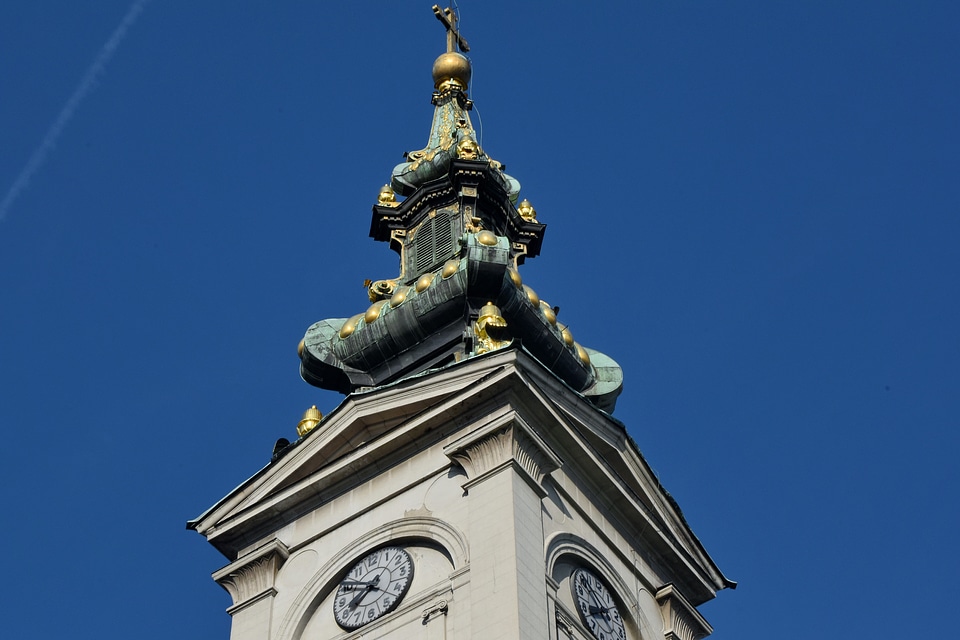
(438, 609)
(252, 577)
(564, 624)
(681, 621)
(504, 442)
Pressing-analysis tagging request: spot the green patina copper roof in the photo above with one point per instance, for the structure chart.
(461, 240)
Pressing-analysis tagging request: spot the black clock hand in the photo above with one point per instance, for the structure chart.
(357, 598)
(594, 596)
(598, 609)
(370, 586)
(354, 583)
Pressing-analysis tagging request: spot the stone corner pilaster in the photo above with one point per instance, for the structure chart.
(253, 576)
(505, 442)
(681, 620)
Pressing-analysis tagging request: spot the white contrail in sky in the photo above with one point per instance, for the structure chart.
(87, 83)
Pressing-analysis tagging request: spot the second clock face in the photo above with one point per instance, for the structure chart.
(596, 606)
(373, 587)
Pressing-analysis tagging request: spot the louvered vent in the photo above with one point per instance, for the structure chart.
(444, 239)
(424, 244)
(433, 242)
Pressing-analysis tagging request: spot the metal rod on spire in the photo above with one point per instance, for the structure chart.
(449, 20)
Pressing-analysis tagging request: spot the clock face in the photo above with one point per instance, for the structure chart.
(373, 587)
(596, 606)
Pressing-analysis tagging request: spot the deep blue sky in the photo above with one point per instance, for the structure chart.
(753, 206)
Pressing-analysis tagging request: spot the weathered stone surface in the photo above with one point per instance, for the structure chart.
(497, 479)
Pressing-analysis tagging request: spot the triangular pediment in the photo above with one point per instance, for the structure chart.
(606, 457)
(373, 431)
(365, 427)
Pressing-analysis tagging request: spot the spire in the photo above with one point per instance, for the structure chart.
(461, 239)
(451, 66)
(452, 135)
(449, 20)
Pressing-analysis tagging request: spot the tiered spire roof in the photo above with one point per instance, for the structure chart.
(451, 213)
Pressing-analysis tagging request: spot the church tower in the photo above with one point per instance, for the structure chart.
(472, 483)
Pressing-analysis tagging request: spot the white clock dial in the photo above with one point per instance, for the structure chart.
(596, 605)
(373, 587)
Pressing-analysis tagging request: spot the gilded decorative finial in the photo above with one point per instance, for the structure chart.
(468, 149)
(526, 211)
(311, 418)
(381, 289)
(387, 197)
(451, 69)
(491, 330)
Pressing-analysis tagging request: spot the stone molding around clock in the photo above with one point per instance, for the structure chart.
(681, 621)
(252, 577)
(507, 441)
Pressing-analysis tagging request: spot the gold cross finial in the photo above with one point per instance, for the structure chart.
(449, 20)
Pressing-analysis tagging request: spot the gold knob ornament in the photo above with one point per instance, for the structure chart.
(311, 418)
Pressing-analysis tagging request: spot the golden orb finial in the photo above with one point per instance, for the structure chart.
(424, 282)
(373, 311)
(548, 312)
(397, 299)
(451, 69)
(489, 310)
(311, 418)
(531, 295)
(526, 211)
(582, 353)
(450, 267)
(487, 238)
(565, 334)
(348, 327)
(387, 197)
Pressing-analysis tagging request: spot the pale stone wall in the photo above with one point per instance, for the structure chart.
(507, 526)
(495, 513)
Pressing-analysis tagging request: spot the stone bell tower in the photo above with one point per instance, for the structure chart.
(472, 483)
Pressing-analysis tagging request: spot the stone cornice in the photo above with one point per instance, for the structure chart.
(681, 621)
(253, 576)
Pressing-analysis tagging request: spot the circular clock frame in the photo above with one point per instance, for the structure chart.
(373, 587)
(596, 606)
